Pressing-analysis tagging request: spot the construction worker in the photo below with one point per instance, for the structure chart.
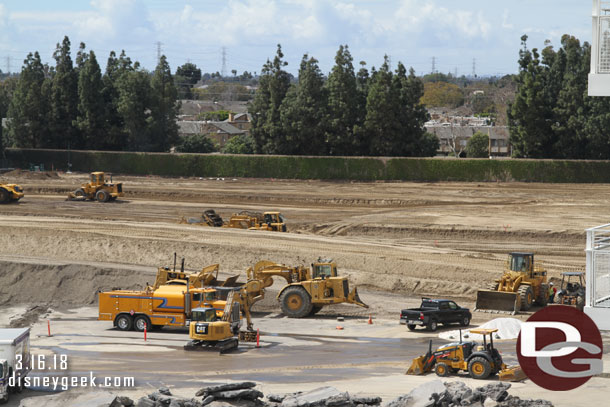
(552, 292)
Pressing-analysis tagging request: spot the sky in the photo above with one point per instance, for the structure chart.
(455, 36)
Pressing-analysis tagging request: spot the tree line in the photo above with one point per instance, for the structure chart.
(552, 116)
(74, 105)
(376, 112)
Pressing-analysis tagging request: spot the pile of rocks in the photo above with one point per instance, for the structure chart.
(243, 394)
(454, 394)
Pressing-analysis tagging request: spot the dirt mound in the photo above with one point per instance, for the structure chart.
(61, 285)
(31, 175)
(30, 317)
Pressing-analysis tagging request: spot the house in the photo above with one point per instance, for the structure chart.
(453, 136)
(241, 121)
(218, 132)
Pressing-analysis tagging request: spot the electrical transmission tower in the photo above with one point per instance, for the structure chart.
(8, 65)
(474, 67)
(433, 65)
(159, 45)
(224, 62)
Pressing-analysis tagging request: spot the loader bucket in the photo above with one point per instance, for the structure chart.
(497, 301)
(417, 366)
(512, 374)
(354, 298)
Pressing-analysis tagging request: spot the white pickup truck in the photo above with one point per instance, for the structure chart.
(14, 359)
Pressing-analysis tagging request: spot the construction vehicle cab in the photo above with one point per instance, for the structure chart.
(98, 189)
(479, 360)
(10, 193)
(324, 270)
(274, 221)
(521, 284)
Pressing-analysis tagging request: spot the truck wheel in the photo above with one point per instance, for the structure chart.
(295, 302)
(140, 321)
(411, 327)
(124, 322)
(4, 196)
(102, 196)
(465, 321)
(442, 369)
(433, 325)
(479, 368)
(527, 297)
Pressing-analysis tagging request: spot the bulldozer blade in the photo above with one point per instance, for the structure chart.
(354, 298)
(497, 301)
(512, 374)
(73, 197)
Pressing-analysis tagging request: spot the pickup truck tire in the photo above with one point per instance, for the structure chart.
(442, 369)
(124, 322)
(140, 321)
(433, 325)
(479, 368)
(411, 327)
(295, 302)
(465, 321)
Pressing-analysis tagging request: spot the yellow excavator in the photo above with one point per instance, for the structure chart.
(308, 289)
(209, 332)
(522, 284)
(480, 361)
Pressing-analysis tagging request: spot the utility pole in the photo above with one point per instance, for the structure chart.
(224, 62)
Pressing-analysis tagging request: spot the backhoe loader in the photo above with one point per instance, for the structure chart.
(97, 189)
(520, 286)
(308, 289)
(10, 193)
(480, 361)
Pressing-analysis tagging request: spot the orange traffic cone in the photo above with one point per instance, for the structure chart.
(370, 319)
(339, 327)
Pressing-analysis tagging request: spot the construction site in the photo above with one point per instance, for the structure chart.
(330, 290)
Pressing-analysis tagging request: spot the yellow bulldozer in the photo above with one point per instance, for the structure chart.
(97, 189)
(10, 193)
(522, 284)
(308, 289)
(479, 360)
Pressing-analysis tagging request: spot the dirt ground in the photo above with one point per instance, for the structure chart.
(396, 241)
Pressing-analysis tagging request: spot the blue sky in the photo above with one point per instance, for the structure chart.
(412, 31)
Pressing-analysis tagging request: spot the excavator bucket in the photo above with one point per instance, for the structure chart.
(497, 302)
(512, 374)
(354, 298)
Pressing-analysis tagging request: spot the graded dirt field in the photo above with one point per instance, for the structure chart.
(395, 241)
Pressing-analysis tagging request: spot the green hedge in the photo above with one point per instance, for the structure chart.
(330, 168)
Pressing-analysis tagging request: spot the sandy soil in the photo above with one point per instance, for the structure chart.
(396, 242)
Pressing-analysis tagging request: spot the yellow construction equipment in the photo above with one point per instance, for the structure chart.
(522, 284)
(208, 331)
(480, 361)
(270, 221)
(308, 289)
(97, 189)
(10, 193)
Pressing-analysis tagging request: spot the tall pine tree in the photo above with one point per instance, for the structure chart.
(164, 108)
(64, 101)
(91, 118)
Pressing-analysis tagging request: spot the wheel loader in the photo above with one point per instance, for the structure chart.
(479, 361)
(97, 189)
(10, 193)
(308, 289)
(270, 221)
(522, 284)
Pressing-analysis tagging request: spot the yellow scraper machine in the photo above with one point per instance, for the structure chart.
(521, 284)
(479, 361)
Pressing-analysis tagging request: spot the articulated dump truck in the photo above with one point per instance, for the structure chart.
(518, 288)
